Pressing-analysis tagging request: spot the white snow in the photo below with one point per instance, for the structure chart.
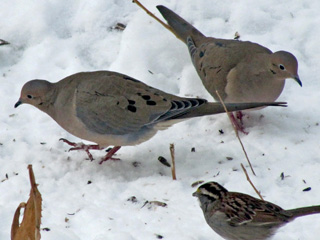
(53, 39)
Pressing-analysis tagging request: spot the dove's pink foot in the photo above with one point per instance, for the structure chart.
(110, 154)
(81, 146)
(237, 121)
(86, 148)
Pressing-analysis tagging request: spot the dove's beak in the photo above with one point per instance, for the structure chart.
(18, 104)
(297, 79)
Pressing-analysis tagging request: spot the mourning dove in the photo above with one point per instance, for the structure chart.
(110, 108)
(240, 71)
(236, 216)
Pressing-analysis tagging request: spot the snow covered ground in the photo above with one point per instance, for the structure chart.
(84, 200)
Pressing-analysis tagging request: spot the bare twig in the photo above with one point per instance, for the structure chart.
(249, 180)
(155, 17)
(173, 167)
(236, 131)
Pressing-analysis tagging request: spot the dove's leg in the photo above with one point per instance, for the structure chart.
(237, 121)
(82, 146)
(110, 154)
(239, 116)
(86, 148)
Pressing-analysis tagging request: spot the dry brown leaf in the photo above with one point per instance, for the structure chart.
(29, 229)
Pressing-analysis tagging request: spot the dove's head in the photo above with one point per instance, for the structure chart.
(34, 92)
(285, 65)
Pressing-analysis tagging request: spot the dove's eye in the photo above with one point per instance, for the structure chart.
(281, 67)
(29, 96)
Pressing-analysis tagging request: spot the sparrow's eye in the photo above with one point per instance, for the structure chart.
(29, 96)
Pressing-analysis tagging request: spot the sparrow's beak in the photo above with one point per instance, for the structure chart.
(196, 193)
(18, 104)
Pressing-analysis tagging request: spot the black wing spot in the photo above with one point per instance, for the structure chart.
(132, 108)
(151, 103)
(146, 97)
(131, 102)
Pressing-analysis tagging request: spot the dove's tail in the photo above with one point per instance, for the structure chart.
(215, 108)
(183, 110)
(299, 212)
(181, 27)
